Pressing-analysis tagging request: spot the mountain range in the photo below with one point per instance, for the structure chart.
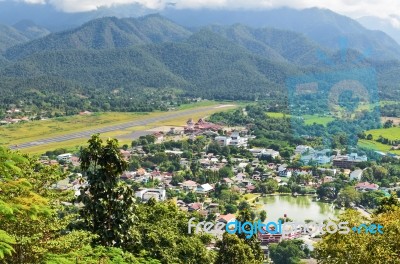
(215, 61)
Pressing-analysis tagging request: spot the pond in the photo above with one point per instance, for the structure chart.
(298, 208)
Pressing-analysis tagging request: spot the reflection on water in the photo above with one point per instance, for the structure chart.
(298, 209)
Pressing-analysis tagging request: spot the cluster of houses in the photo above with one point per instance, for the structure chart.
(322, 157)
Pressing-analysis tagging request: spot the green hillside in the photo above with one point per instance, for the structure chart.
(105, 33)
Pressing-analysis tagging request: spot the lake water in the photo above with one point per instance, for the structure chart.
(297, 208)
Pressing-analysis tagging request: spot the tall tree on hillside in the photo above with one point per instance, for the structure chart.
(108, 203)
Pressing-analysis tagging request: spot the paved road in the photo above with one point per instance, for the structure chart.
(88, 133)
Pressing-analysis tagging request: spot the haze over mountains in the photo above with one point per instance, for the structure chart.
(246, 55)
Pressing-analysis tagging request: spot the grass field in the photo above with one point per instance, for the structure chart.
(320, 120)
(392, 133)
(370, 144)
(308, 119)
(36, 130)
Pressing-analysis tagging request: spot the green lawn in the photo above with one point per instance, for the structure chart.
(308, 119)
(320, 120)
(277, 115)
(370, 144)
(392, 133)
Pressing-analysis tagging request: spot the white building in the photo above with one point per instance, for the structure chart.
(147, 194)
(303, 149)
(356, 175)
(204, 188)
(234, 140)
(64, 157)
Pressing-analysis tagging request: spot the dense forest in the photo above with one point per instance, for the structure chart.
(105, 62)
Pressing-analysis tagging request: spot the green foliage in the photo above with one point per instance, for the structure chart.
(89, 255)
(348, 196)
(161, 232)
(108, 203)
(6, 244)
(263, 215)
(288, 252)
(363, 248)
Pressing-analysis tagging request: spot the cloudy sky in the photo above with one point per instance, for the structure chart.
(352, 8)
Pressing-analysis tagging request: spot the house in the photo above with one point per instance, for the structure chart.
(226, 218)
(64, 157)
(265, 153)
(223, 141)
(189, 185)
(327, 179)
(239, 177)
(159, 137)
(204, 189)
(301, 149)
(237, 140)
(227, 181)
(356, 175)
(250, 188)
(195, 207)
(348, 161)
(366, 186)
(147, 194)
(126, 155)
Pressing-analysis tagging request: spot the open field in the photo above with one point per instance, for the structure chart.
(392, 133)
(308, 119)
(396, 120)
(73, 131)
(320, 120)
(370, 144)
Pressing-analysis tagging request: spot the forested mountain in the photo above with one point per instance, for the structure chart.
(30, 30)
(106, 33)
(278, 45)
(19, 33)
(321, 25)
(206, 64)
(78, 68)
(9, 37)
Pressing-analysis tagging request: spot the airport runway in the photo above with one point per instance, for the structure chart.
(88, 133)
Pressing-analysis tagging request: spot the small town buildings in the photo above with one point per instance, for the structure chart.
(64, 157)
(356, 175)
(226, 218)
(366, 186)
(265, 153)
(147, 194)
(204, 189)
(234, 140)
(301, 149)
(189, 185)
(348, 161)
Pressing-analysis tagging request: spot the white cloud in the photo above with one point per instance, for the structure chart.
(35, 2)
(353, 8)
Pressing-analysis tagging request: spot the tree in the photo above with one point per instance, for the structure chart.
(348, 196)
(230, 209)
(31, 224)
(263, 215)
(233, 250)
(190, 198)
(244, 205)
(161, 232)
(226, 172)
(108, 203)
(363, 247)
(288, 252)
(388, 124)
